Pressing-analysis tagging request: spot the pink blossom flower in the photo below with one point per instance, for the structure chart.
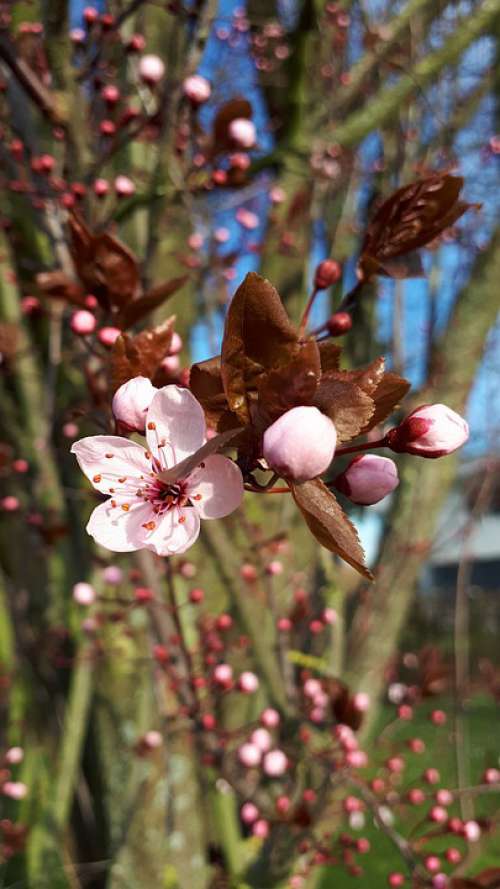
(197, 88)
(112, 574)
(15, 789)
(223, 675)
(300, 444)
(275, 763)
(131, 402)
(84, 593)
(248, 682)
(83, 322)
(14, 755)
(432, 430)
(108, 335)
(124, 186)
(270, 717)
(249, 813)
(261, 829)
(368, 479)
(249, 755)
(262, 739)
(242, 132)
(151, 69)
(143, 511)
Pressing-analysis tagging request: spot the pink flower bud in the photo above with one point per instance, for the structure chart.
(312, 687)
(361, 701)
(101, 187)
(15, 789)
(111, 94)
(327, 273)
(223, 675)
(175, 344)
(368, 479)
(300, 445)
(275, 763)
(90, 15)
(248, 682)
(242, 132)
(432, 430)
(171, 364)
(131, 402)
(249, 813)
(472, 831)
(270, 718)
(14, 755)
(84, 593)
(151, 69)
(124, 187)
(112, 575)
(249, 755)
(197, 89)
(262, 739)
(83, 322)
(153, 739)
(10, 503)
(261, 829)
(108, 336)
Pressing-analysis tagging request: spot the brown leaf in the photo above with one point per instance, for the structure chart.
(344, 708)
(389, 392)
(367, 378)
(329, 354)
(258, 336)
(58, 285)
(116, 269)
(411, 218)
(106, 267)
(229, 111)
(140, 355)
(212, 446)
(487, 879)
(329, 524)
(155, 297)
(205, 382)
(347, 405)
(290, 385)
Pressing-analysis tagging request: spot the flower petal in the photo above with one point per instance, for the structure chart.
(105, 459)
(176, 531)
(118, 530)
(175, 425)
(216, 488)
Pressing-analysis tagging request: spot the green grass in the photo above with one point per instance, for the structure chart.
(482, 737)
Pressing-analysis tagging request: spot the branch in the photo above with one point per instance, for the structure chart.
(380, 108)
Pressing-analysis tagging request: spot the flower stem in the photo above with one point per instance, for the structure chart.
(365, 446)
(307, 311)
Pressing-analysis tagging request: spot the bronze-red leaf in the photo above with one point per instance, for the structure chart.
(329, 524)
(141, 354)
(347, 405)
(411, 218)
(290, 385)
(138, 309)
(258, 336)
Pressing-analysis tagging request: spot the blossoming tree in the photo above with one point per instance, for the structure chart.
(195, 711)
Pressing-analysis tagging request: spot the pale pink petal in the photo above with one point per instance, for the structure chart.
(175, 425)
(105, 459)
(175, 532)
(216, 487)
(119, 530)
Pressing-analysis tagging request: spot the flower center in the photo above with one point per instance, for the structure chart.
(164, 497)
